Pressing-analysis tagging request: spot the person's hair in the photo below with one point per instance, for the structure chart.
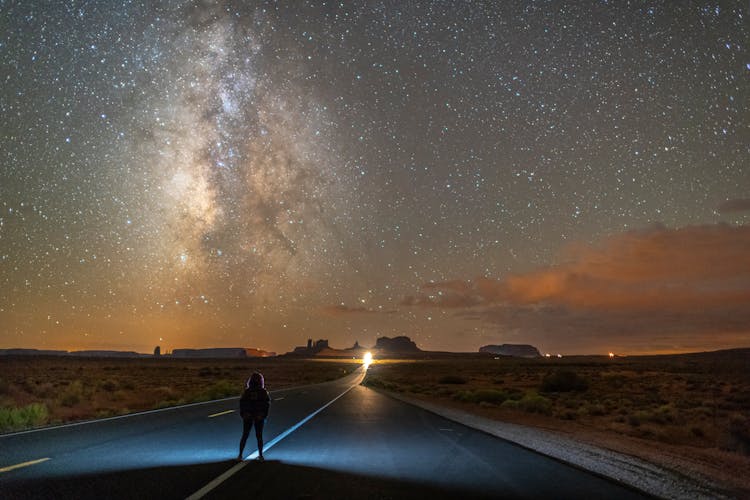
(255, 381)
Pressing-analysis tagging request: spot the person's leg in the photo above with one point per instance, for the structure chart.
(246, 424)
(259, 435)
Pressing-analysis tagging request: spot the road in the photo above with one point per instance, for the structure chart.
(361, 445)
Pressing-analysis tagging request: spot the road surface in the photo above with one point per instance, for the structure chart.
(332, 440)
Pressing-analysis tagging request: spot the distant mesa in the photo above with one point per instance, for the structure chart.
(218, 352)
(515, 350)
(312, 348)
(320, 348)
(222, 352)
(396, 344)
(77, 354)
(106, 354)
(32, 352)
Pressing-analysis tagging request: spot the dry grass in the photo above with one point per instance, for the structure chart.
(49, 390)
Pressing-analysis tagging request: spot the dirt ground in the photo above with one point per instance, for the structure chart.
(688, 412)
(66, 389)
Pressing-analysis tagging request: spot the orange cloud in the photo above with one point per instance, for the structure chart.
(696, 266)
(680, 285)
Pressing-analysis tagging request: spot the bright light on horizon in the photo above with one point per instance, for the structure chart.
(367, 359)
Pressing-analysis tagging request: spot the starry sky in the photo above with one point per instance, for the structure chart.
(572, 175)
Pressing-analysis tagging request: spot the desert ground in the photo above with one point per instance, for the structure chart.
(688, 411)
(37, 391)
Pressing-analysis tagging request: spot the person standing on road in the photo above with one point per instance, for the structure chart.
(254, 405)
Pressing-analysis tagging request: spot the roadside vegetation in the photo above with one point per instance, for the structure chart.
(38, 391)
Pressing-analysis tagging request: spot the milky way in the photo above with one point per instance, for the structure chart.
(254, 174)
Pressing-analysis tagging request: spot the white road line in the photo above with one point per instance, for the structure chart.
(24, 464)
(220, 413)
(229, 473)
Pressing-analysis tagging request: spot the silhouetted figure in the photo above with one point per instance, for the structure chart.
(254, 405)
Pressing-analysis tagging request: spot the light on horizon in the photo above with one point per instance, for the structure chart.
(367, 359)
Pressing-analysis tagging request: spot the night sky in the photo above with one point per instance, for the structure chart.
(572, 175)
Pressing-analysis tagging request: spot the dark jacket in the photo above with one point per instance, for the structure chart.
(255, 403)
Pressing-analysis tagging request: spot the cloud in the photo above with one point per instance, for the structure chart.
(696, 266)
(736, 205)
(680, 285)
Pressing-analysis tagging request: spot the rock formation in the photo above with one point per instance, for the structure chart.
(396, 344)
(516, 350)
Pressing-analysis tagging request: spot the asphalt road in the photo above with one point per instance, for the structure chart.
(362, 445)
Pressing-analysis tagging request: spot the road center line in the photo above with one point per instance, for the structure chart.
(24, 464)
(220, 413)
(236, 468)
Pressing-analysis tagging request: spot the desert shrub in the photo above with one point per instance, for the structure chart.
(663, 415)
(464, 396)
(532, 403)
(13, 418)
(166, 392)
(614, 381)
(535, 403)
(127, 385)
(4, 386)
(45, 390)
(36, 414)
(380, 383)
(738, 399)
(596, 410)
(571, 403)
(222, 389)
(686, 403)
(108, 385)
(563, 381)
(486, 396)
(418, 388)
(569, 415)
(515, 394)
(118, 395)
(105, 412)
(451, 379)
(738, 435)
(697, 431)
(637, 418)
(72, 394)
